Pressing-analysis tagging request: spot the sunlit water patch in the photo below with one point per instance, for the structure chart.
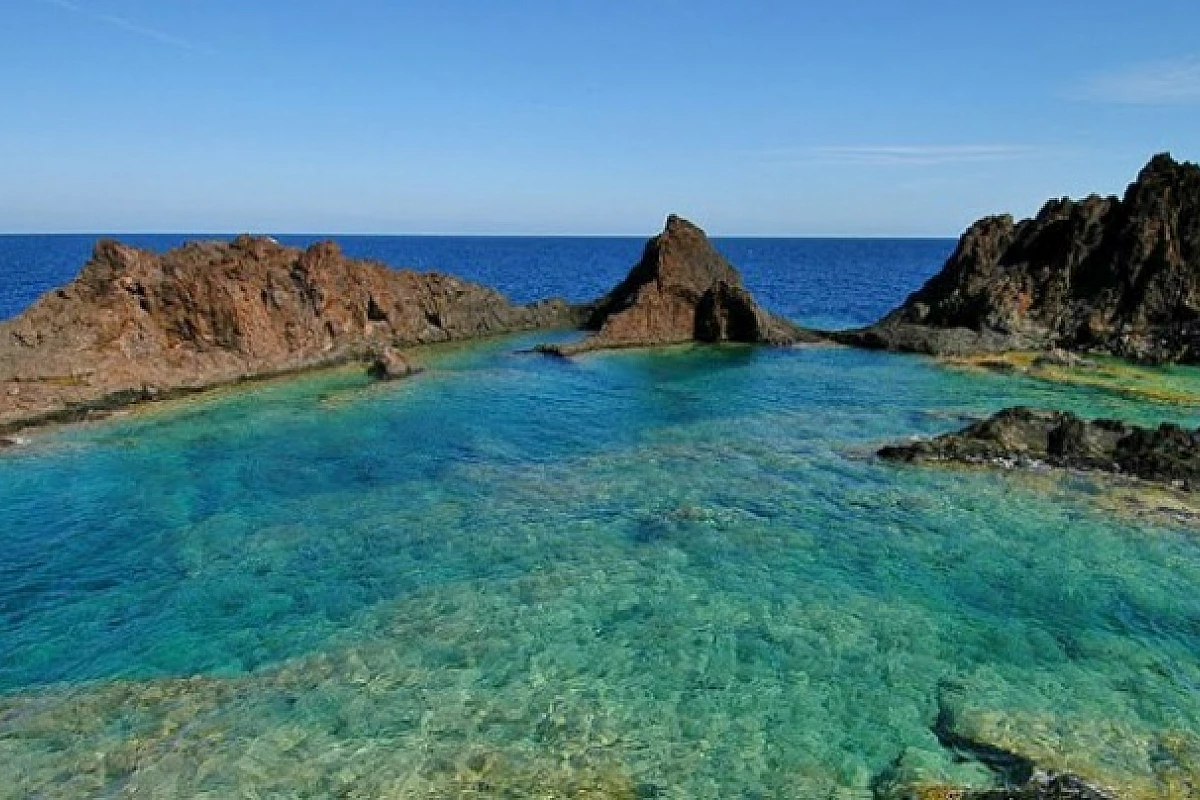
(639, 574)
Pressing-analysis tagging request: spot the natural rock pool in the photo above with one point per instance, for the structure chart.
(675, 573)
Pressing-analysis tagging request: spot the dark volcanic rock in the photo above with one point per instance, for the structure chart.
(682, 290)
(136, 325)
(1019, 777)
(1023, 437)
(1040, 786)
(1043, 786)
(1103, 274)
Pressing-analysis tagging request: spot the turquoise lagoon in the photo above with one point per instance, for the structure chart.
(640, 574)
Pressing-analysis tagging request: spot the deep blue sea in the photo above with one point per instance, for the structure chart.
(817, 281)
(674, 573)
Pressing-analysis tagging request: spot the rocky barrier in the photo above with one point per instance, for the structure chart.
(1025, 437)
(136, 326)
(1103, 274)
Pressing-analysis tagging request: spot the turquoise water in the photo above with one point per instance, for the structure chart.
(638, 574)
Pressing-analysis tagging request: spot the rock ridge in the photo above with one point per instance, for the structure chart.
(1101, 274)
(1026, 437)
(136, 325)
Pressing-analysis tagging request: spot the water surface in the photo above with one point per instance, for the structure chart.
(639, 574)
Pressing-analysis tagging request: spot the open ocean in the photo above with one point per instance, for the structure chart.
(835, 282)
(674, 573)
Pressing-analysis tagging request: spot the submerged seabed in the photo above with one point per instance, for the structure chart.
(638, 574)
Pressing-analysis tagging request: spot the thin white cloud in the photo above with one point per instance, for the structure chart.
(902, 155)
(126, 24)
(1170, 82)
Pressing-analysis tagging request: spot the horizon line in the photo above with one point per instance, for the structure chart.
(470, 235)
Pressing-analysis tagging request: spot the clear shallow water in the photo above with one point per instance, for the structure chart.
(636, 574)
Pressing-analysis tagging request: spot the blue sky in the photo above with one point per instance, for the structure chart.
(563, 116)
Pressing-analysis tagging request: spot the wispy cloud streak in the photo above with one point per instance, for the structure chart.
(901, 155)
(162, 37)
(1170, 82)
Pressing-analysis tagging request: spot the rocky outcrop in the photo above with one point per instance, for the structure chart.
(1167, 455)
(682, 290)
(135, 325)
(1103, 274)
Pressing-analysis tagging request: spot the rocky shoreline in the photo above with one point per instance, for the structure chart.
(1110, 275)
(137, 327)
(1033, 438)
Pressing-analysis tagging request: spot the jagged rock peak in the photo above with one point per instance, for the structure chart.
(1103, 274)
(680, 290)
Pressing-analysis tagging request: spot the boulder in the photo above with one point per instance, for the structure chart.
(388, 364)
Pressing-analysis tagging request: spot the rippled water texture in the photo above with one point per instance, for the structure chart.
(638, 574)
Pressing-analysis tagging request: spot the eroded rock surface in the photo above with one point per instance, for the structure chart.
(1167, 455)
(1102, 274)
(682, 290)
(135, 325)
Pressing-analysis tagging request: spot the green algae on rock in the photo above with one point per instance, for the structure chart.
(1169, 385)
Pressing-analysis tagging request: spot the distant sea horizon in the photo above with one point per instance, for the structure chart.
(820, 281)
(647, 573)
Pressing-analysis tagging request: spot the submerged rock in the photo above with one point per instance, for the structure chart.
(1103, 274)
(388, 364)
(1019, 777)
(1042, 786)
(1045, 786)
(218, 312)
(1019, 436)
(682, 290)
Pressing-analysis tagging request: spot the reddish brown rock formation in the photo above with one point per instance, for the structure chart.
(682, 290)
(135, 325)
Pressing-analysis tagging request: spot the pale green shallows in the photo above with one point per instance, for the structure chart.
(673, 574)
